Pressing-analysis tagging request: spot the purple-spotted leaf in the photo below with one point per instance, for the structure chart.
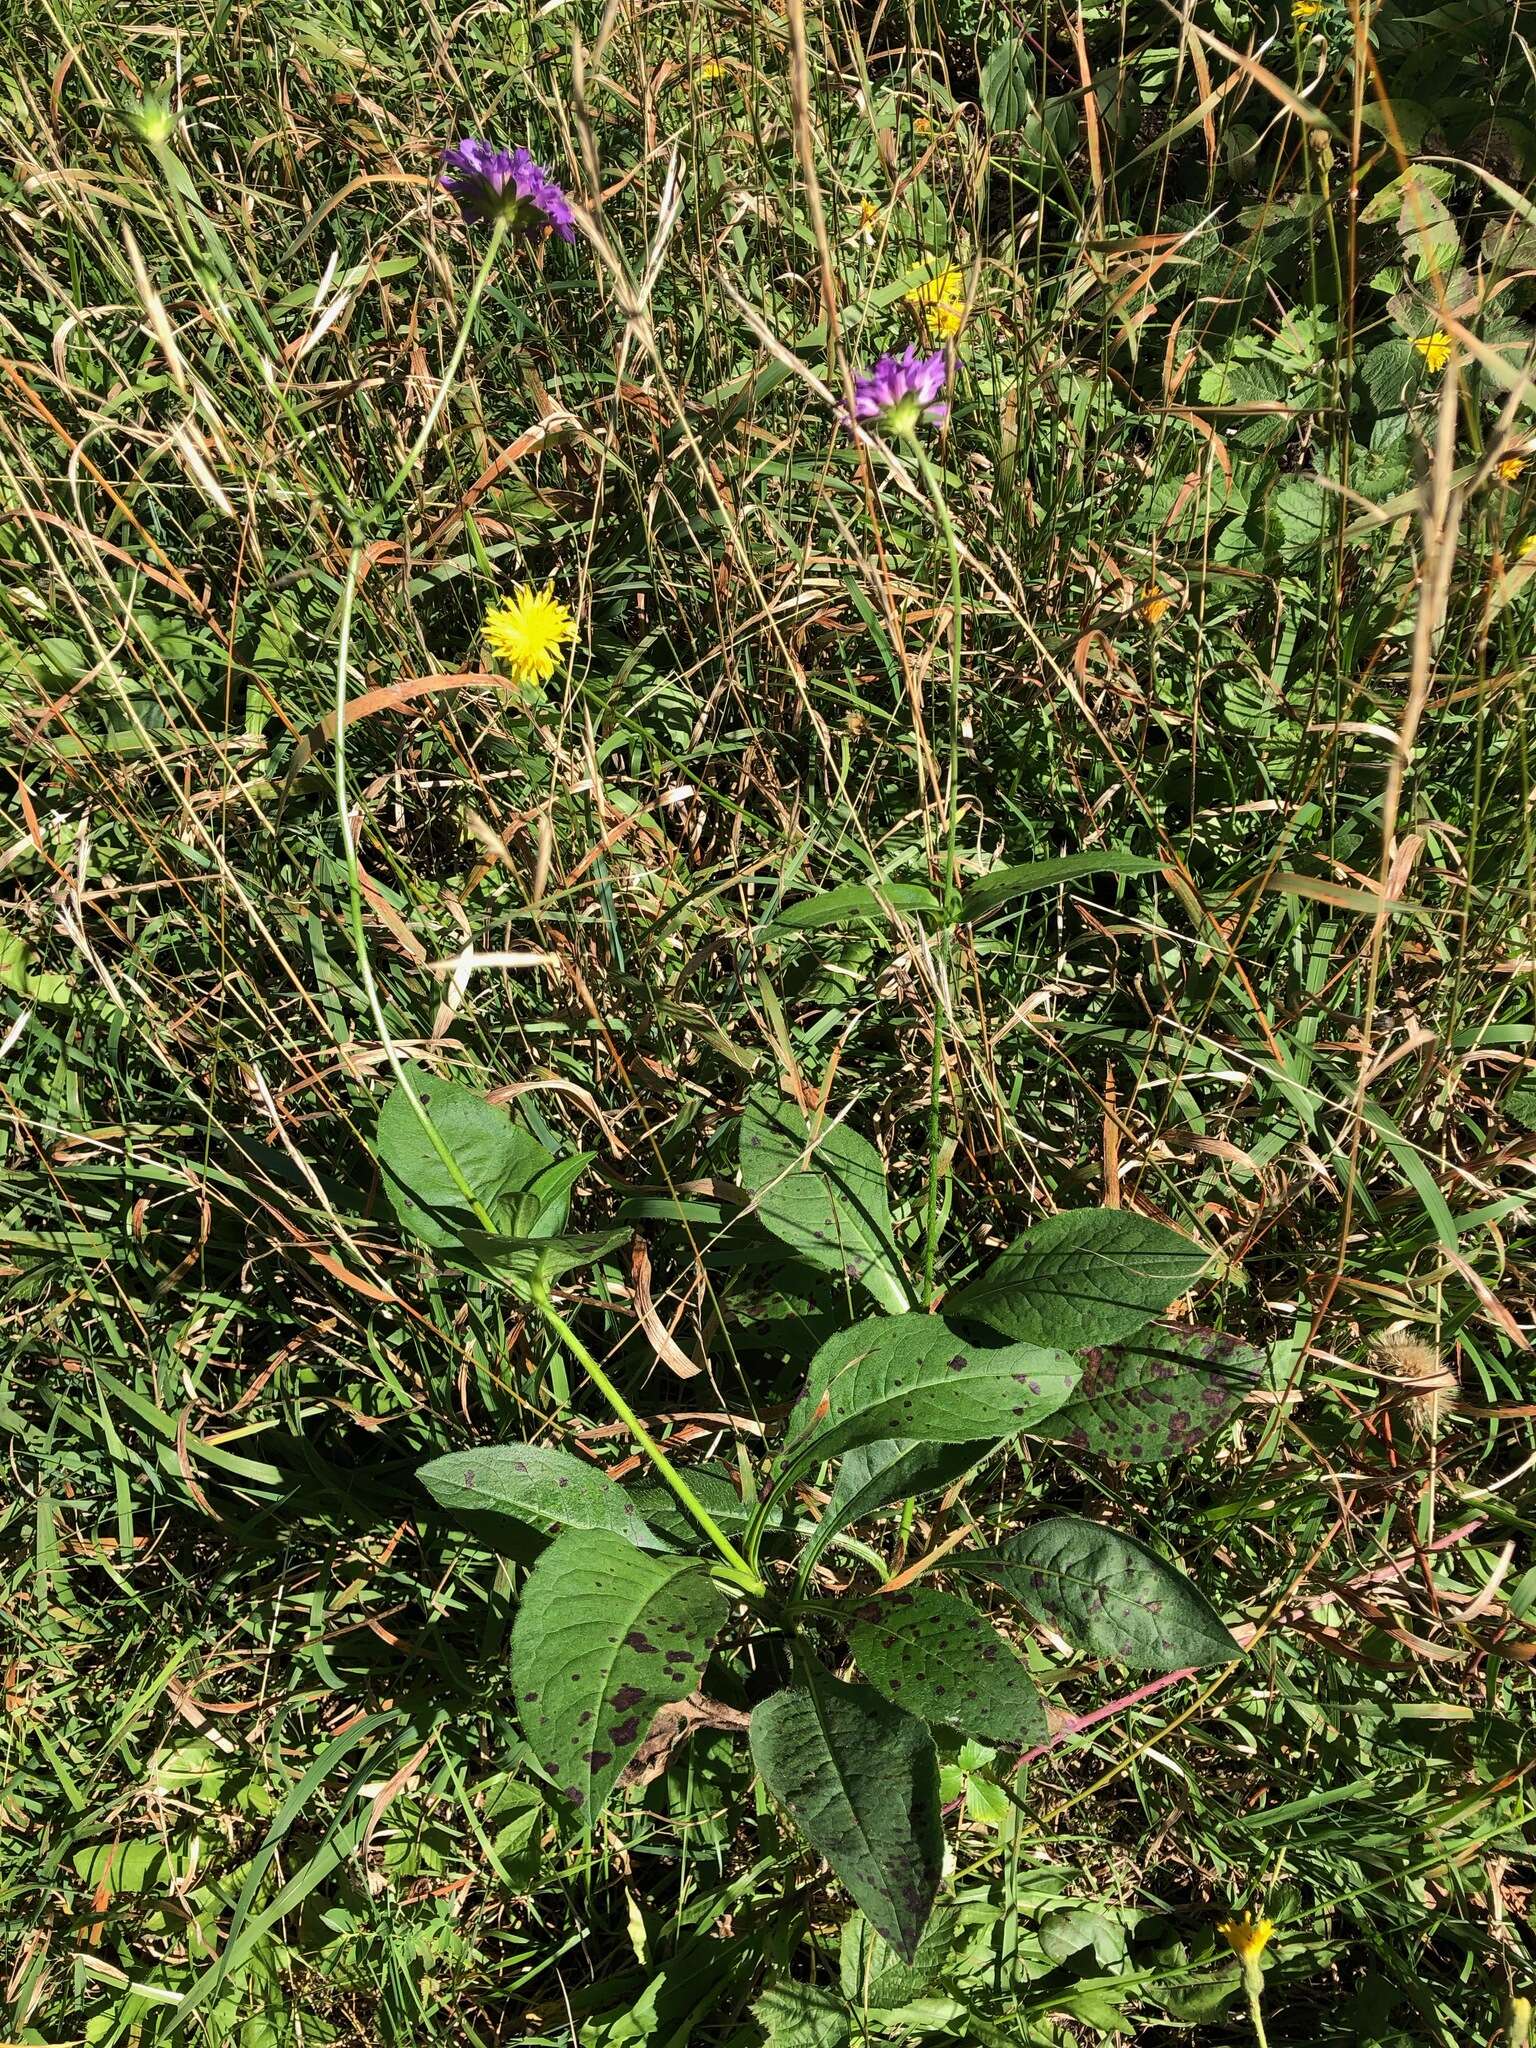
(913, 1378)
(1158, 1398)
(823, 1195)
(860, 1779)
(1087, 1276)
(604, 1636)
(936, 1655)
(1109, 1595)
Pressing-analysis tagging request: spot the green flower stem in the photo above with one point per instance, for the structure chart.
(434, 1136)
(951, 870)
(735, 1566)
(343, 809)
(1253, 1986)
(450, 374)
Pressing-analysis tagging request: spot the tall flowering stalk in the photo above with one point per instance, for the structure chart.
(899, 395)
(508, 192)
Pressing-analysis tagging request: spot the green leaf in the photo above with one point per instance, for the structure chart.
(604, 1636)
(1158, 1399)
(874, 1978)
(1008, 86)
(852, 903)
(665, 1513)
(1392, 373)
(1109, 1595)
(1520, 1103)
(873, 1475)
(1006, 885)
(1304, 512)
(547, 1488)
(1087, 1276)
(860, 1779)
(19, 973)
(530, 1265)
(825, 1198)
(936, 1655)
(795, 2015)
(499, 1161)
(914, 1379)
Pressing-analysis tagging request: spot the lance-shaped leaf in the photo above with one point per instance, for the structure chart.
(1109, 1595)
(546, 1488)
(1087, 1276)
(936, 1655)
(824, 1196)
(860, 1779)
(1157, 1399)
(871, 1476)
(605, 1635)
(913, 1378)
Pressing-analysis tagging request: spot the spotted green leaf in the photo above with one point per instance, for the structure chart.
(860, 1779)
(936, 1655)
(604, 1636)
(546, 1488)
(1087, 1276)
(823, 1195)
(1158, 1398)
(913, 1378)
(1109, 1595)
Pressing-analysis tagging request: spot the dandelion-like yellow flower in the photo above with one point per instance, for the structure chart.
(1527, 547)
(526, 632)
(1435, 348)
(1306, 10)
(1154, 603)
(1246, 1937)
(922, 125)
(1512, 467)
(869, 216)
(939, 302)
(711, 69)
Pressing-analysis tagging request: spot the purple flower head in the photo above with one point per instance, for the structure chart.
(900, 391)
(505, 184)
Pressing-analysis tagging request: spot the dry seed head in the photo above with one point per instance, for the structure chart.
(1425, 1385)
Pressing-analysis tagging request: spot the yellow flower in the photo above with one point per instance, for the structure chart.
(869, 217)
(922, 125)
(711, 68)
(526, 632)
(1154, 603)
(1246, 1937)
(1435, 348)
(1528, 547)
(939, 302)
(1512, 467)
(1306, 10)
